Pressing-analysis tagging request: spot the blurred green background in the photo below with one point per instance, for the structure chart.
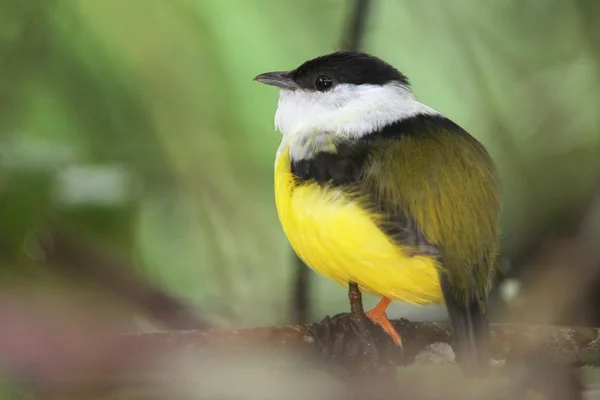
(135, 126)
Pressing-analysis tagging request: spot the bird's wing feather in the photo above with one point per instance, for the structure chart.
(438, 189)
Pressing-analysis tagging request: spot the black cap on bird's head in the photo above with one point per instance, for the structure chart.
(325, 72)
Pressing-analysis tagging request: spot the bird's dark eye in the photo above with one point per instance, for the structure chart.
(323, 83)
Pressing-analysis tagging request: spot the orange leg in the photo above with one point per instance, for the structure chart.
(377, 315)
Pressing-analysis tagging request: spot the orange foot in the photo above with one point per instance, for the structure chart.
(377, 315)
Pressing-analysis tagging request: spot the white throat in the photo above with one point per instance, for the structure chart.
(312, 121)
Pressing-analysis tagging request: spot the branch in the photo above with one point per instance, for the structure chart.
(354, 37)
(72, 255)
(424, 343)
(300, 300)
(64, 354)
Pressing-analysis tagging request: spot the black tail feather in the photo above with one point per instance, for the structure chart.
(470, 330)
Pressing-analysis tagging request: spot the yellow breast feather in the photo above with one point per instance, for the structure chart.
(338, 237)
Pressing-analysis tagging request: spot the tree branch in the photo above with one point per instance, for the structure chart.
(353, 40)
(70, 254)
(61, 355)
(128, 355)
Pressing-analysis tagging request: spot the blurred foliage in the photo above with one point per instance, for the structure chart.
(136, 124)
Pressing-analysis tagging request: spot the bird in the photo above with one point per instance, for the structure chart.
(376, 189)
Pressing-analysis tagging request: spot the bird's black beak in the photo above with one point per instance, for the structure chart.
(281, 79)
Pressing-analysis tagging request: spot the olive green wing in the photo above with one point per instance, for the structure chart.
(439, 192)
(439, 195)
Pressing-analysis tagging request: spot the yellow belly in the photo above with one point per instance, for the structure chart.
(339, 239)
